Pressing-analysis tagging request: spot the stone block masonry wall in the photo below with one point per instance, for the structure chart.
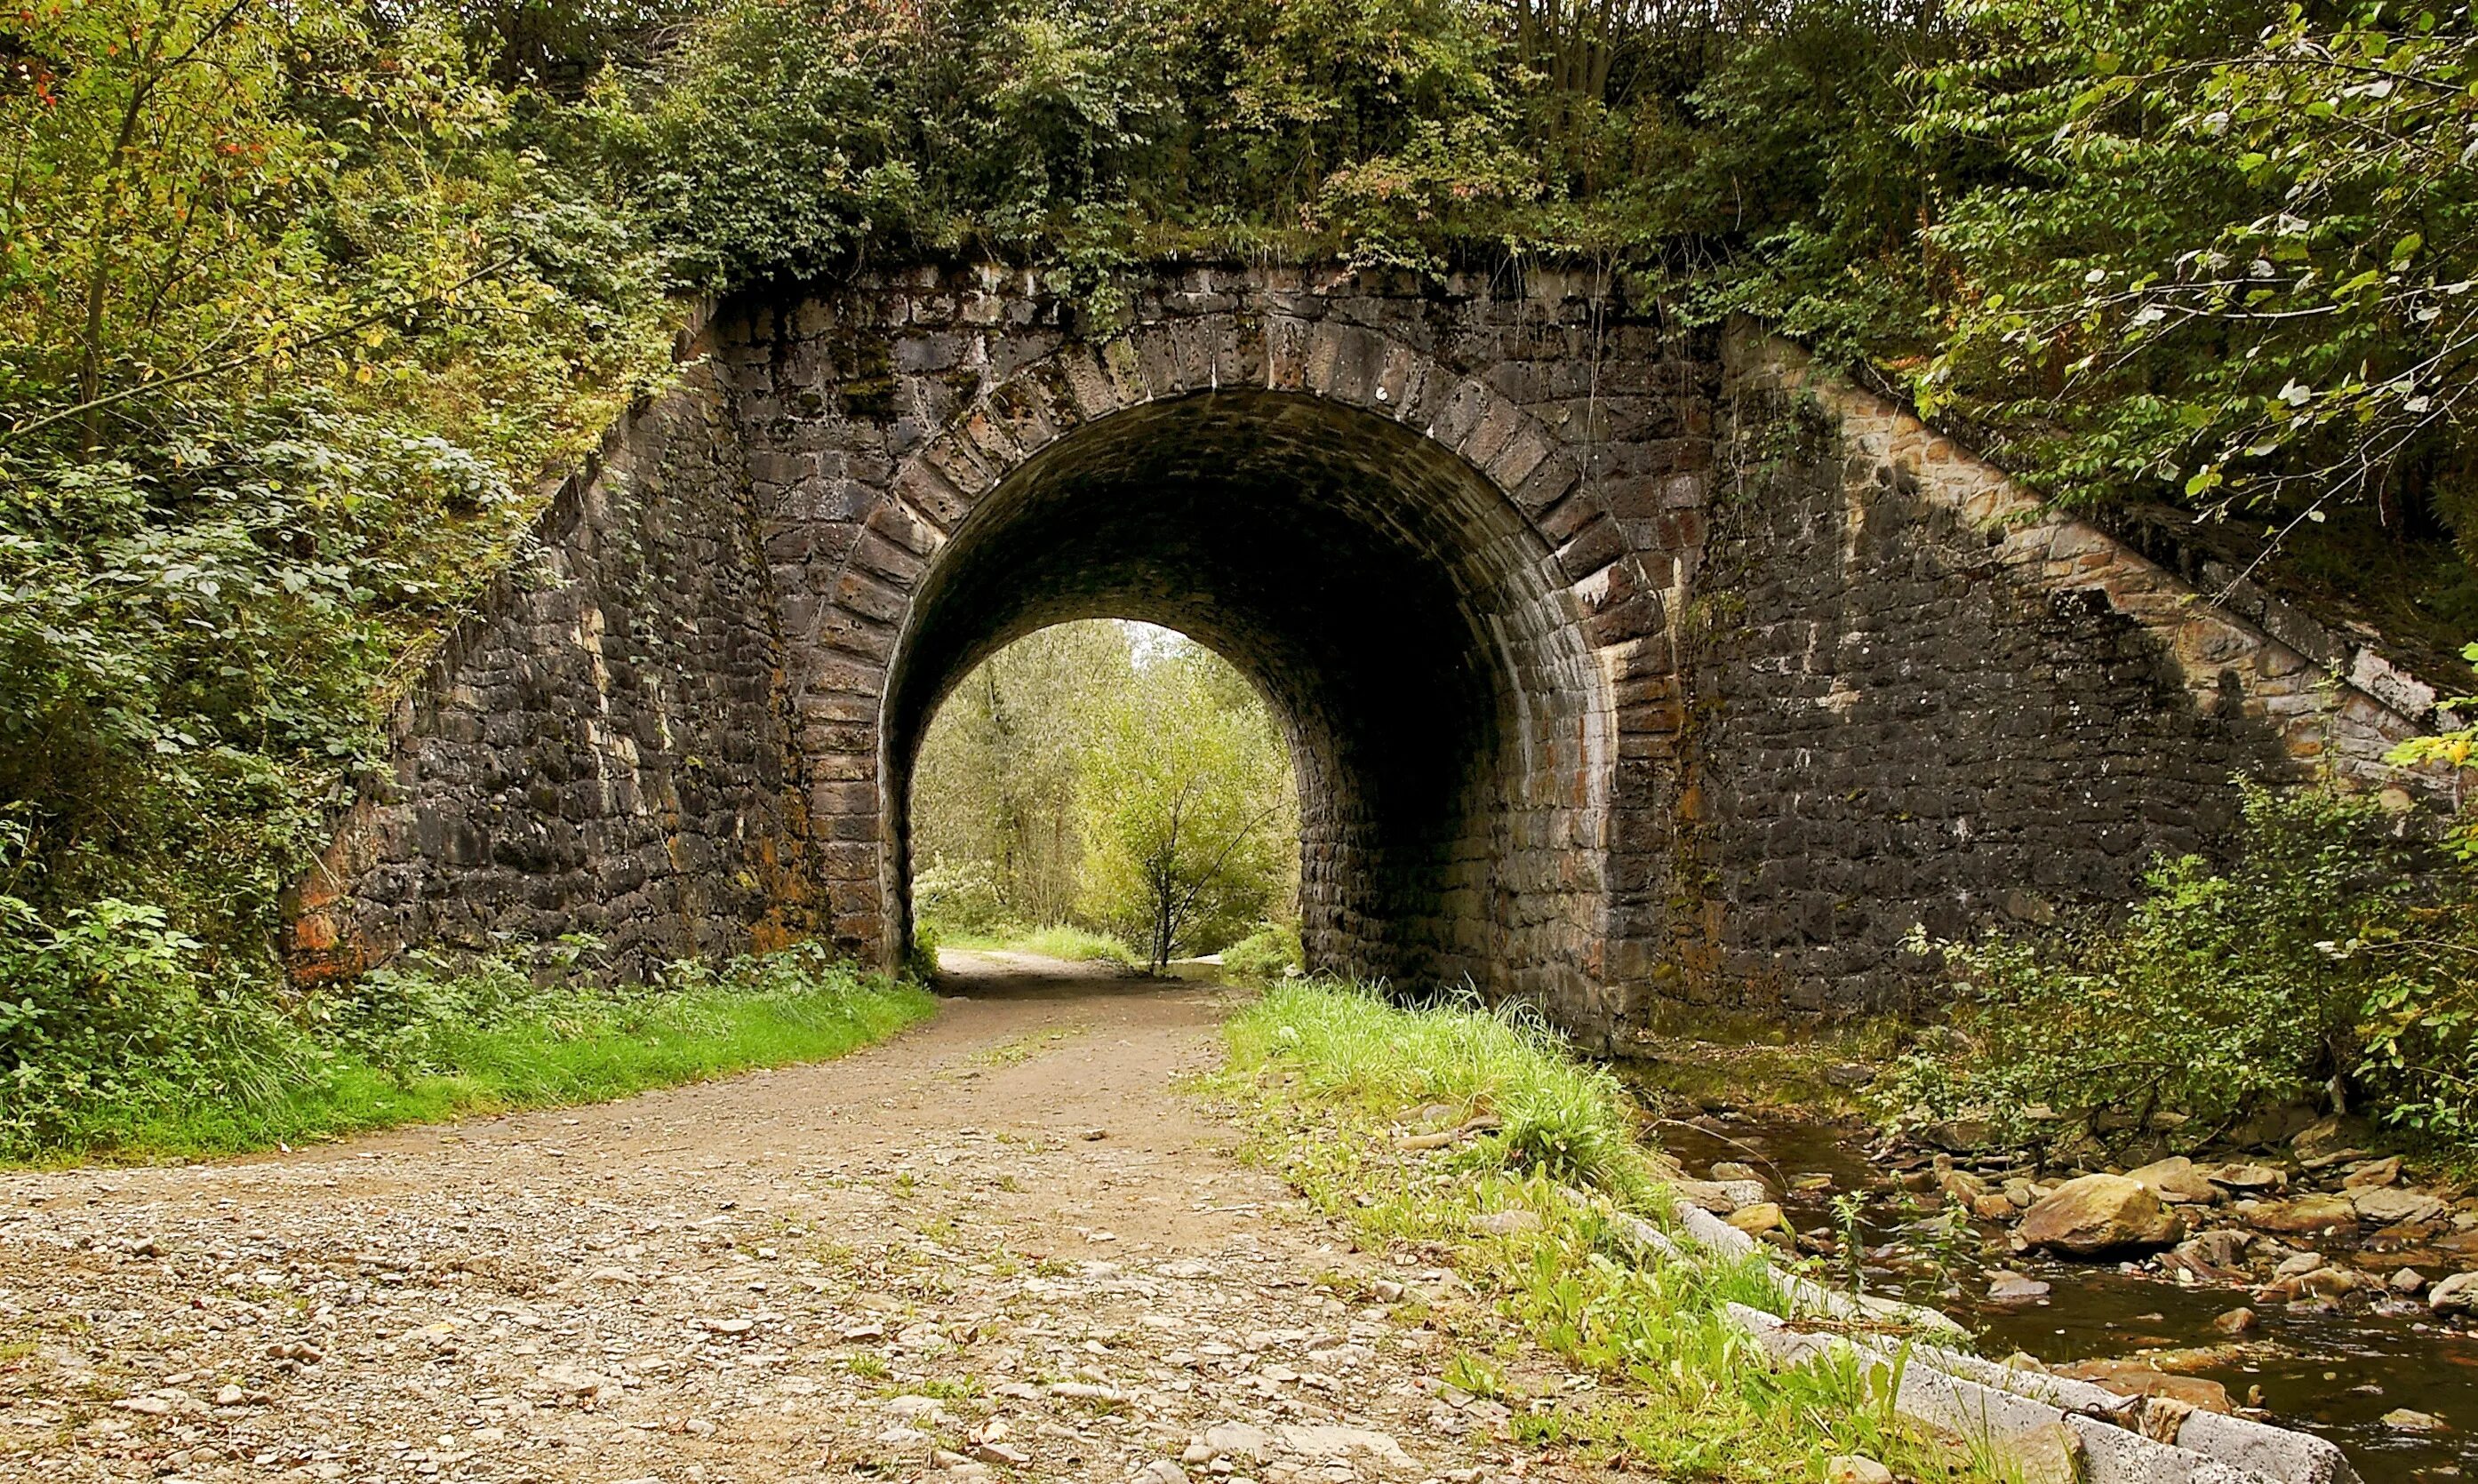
(1624, 665)
(1917, 698)
(600, 749)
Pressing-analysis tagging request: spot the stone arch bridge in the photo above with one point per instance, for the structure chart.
(1621, 664)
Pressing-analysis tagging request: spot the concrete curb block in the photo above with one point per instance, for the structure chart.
(2275, 1453)
(1809, 1299)
(2125, 1440)
(1989, 1417)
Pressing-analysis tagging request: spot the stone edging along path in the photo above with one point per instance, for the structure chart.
(2051, 1429)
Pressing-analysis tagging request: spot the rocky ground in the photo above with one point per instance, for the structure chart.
(1003, 1244)
(2283, 1256)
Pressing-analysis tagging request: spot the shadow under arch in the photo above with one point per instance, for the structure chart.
(1449, 726)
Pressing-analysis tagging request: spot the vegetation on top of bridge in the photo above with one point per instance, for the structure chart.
(296, 302)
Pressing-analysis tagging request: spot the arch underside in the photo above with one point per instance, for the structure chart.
(1396, 610)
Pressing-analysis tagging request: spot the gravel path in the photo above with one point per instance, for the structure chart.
(1003, 1245)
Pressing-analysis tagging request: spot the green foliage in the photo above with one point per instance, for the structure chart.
(994, 790)
(786, 137)
(1270, 952)
(109, 1011)
(1035, 773)
(1186, 808)
(2321, 963)
(296, 309)
(2455, 748)
(1075, 945)
(2228, 257)
(116, 1040)
(959, 899)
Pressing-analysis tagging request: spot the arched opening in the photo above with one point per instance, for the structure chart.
(1105, 789)
(1396, 610)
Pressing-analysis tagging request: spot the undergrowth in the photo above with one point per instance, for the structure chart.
(189, 1064)
(1326, 1075)
(2331, 962)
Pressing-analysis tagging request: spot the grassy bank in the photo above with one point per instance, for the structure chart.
(431, 1043)
(1330, 1079)
(1060, 941)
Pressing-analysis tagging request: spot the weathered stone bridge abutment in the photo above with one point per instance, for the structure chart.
(1622, 663)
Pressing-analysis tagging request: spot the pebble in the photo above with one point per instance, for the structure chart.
(2014, 1288)
(2404, 1420)
(1856, 1468)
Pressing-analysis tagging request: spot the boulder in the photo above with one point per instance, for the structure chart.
(2388, 1205)
(2329, 1141)
(2099, 1213)
(2014, 1288)
(2405, 1419)
(2133, 1378)
(2222, 1246)
(2455, 1295)
(2270, 1127)
(1960, 1135)
(2371, 1174)
(1754, 1220)
(2176, 1179)
(1718, 1197)
(2246, 1179)
(2306, 1215)
(2239, 1320)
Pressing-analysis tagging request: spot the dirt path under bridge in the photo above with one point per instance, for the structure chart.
(1003, 1244)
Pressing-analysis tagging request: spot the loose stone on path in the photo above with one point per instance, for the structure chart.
(863, 1269)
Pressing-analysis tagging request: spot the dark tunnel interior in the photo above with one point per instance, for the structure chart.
(1384, 598)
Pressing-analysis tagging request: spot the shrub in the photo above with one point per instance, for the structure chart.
(109, 1011)
(117, 1033)
(2332, 959)
(1063, 941)
(1270, 952)
(962, 898)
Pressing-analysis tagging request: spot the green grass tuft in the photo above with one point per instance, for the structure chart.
(580, 1044)
(1059, 941)
(1323, 1074)
(1350, 1045)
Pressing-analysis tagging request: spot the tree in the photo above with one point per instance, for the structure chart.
(1187, 806)
(994, 788)
(291, 319)
(2229, 258)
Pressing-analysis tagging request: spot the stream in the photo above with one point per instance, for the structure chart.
(2336, 1372)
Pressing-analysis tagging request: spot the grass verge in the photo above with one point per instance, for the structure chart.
(1328, 1078)
(424, 1046)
